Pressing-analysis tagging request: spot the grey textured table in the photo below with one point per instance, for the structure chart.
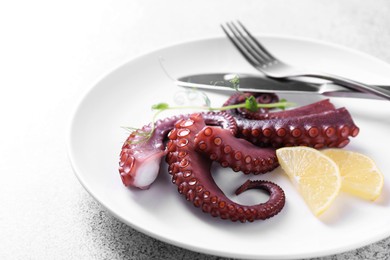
(52, 51)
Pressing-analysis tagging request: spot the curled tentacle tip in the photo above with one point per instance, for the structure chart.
(243, 187)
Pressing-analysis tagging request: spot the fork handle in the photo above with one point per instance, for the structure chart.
(352, 84)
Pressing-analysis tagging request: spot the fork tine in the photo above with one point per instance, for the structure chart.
(247, 55)
(248, 40)
(257, 43)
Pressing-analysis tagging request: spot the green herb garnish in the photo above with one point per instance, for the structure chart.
(250, 104)
(235, 82)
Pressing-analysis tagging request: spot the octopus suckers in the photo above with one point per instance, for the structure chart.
(355, 131)
(199, 189)
(213, 156)
(236, 138)
(187, 173)
(330, 131)
(192, 182)
(183, 132)
(183, 188)
(187, 123)
(190, 195)
(171, 146)
(202, 145)
(221, 204)
(197, 202)
(248, 159)
(208, 131)
(281, 132)
(246, 132)
(313, 131)
(184, 163)
(227, 149)
(182, 142)
(296, 132)
(344, 131)
(255, 132)
(217, 141)
(237, 156)
(172, 135)
(224, 164)
(182, 154)
(267, 132)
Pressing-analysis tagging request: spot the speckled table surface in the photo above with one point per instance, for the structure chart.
(52, 51)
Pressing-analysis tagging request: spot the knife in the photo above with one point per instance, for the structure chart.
(257, 83)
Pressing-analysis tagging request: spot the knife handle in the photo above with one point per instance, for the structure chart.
(354, 85)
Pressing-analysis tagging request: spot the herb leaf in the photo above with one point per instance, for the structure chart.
(235, 82)
(160, 106)
(251, 104)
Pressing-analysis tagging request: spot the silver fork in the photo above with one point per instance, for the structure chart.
(259, 57)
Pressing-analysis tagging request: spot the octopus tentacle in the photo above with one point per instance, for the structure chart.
(196, 140)
(238, 154)
(317, 125)
(266, 98)
(275, 201)
(191, 173)
(140, 159)
(328, 129)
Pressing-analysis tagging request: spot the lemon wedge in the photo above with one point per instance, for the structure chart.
(360, 175)
(316, 176)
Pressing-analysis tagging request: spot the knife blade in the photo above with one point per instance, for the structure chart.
(257, 83)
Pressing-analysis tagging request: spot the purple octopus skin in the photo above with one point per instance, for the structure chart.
(317, 125)
(267, 98)
(196, 140)
(191, 173)
(140, 160)
(238, 154)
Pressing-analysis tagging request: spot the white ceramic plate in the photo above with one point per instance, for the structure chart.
(124, 97)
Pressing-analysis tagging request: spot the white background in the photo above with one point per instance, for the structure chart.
(52, 52)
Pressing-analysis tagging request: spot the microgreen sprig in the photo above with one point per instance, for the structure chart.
(235, 82)
(250, 104)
